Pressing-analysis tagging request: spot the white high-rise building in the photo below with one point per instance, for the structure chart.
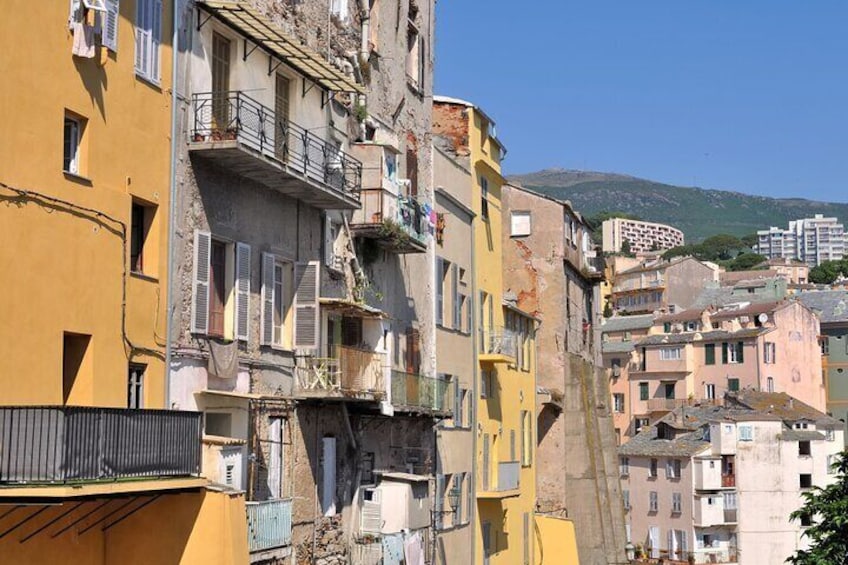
(641, 236)
(810, 240)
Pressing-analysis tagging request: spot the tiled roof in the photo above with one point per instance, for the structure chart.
(690, 315)
(689, 337)
(830, 305)
(781, 405)
(751, 310)
(801, 435)
(624, 323)
(617, 347)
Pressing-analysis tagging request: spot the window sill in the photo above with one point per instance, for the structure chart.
(149, 81)
(78, 178)
(143, 277)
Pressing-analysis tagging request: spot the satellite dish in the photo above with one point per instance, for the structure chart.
(763, 318)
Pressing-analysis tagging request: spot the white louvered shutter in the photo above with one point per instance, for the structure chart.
(439, 502)
(267, 337)
(242, 293)
(457, 403)
(457, 312)
(155, 39)
(440, 291)
(142, 37)
(110, 25)
(200, 280)
(306, 279)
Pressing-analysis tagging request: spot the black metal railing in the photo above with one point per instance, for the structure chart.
(220, 116)
(67, 444)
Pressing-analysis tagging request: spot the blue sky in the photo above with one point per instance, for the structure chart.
(747, 95)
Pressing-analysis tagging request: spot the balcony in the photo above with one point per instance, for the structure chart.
(351, 373)
(245, 137)
(397, 223)
(728, 481)
(722, 554)
(413, 392)
(665, 404)
(60, 445)
(498, 345)
(269, 524)
(508, 481)
(729, 515)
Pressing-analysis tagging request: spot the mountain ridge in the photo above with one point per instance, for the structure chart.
(698, 212)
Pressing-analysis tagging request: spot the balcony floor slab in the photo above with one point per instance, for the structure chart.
(100, 489)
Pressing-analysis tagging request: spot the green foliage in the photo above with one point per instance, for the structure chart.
(607, 310)
(626, 249)
(596, 220)
(828, 535)
(744, 261)
(750, 240)
(829, 271)
(721, 247)
(698, 212)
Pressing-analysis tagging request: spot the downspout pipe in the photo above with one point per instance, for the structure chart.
(172, 204)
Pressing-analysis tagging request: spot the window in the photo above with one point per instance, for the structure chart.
(135, 386)
(218, 424)
(627, 336)
(218, 288)
(487, 384)
(148, 31)
(806, 520)
(141, 224)
(769, 352)
(804, 448)
(281, 303)
(769, 384)
(415, 56)
(676, 503)
(653, 503)
(71, 153)
(641, 423)
(484, 198)
(624, 466)
(520, 224)
(801, 425)
(825, 346)
(746, 433)
(831, 465)
(806, 480)
(442, 270)
(652, 472)
(618, 402)
(670, 353)
(643, 391)
(732, 384)
(709, 354)
(526, 439)
(672, 468)
(829, 435)
(732, 352)
(667, 327)
(690, 326)
(338, 8)
(625, 495)
(668, 391)
(709, 391)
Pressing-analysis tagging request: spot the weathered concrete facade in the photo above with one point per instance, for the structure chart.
(548, 267)
(315, 365)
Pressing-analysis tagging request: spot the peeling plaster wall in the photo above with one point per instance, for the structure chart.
(577, 471)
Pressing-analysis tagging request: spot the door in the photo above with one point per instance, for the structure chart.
(328, 482)
(281, 117)
(220, 83)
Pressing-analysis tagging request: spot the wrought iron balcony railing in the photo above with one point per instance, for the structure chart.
(419, 391)
(223, 116)
(498, 341)
(70, 444)
(349, 371)
(269, 524)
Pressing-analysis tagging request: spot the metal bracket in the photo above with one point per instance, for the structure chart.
(305, 90)
(275, 67)
(200, 23)
(246, 52)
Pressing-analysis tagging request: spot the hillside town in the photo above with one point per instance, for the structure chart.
(273, 300)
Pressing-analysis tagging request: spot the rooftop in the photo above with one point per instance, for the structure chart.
(689, 337)
(626, 323)
(830, 305)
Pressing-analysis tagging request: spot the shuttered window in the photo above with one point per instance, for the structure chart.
(200, 302)
(307, 280)
(242, 294)
(412, 171)
(456, 304)
(110, 25)
(148, 33)
(440, 291)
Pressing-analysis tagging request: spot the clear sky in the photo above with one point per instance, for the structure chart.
(747, 95)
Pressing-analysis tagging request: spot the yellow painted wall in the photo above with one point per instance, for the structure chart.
(204, 528)
(515, 388)
(556, 542)
(62, 270)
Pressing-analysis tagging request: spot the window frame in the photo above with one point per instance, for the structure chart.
(671, 353)
(520, 215)
(72, 144)
(135, 386)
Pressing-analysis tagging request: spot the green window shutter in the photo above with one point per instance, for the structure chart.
(709, 352)
(733, 385)
(667, 327)
(739, 349)
(643, 391)
(724, 353)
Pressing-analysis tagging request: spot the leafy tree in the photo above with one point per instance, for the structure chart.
(826, 273)
(828, 509)
(720, 247)
(745, 261)
(750, 240)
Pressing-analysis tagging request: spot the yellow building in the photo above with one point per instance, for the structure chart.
(505, 477)
(90, 457)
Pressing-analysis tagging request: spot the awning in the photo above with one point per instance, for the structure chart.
(405, 477)
(261, 31)
(351, 308)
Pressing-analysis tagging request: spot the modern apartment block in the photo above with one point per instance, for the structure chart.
(92, 461)
(694, 481)
(831, 307)
(305, 297)
(640, 236)
(505, 455)
(551, 269)
(657, 285)
(809, 240)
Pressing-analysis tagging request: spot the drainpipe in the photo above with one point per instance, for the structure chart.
(172, 205)
(475, 335)
(365, 29)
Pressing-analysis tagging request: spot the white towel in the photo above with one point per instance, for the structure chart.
(223, 359)
(83, 40)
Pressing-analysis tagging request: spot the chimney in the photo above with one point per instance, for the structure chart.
(791, 403)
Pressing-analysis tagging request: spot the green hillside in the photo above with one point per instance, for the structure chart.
(700, 213)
